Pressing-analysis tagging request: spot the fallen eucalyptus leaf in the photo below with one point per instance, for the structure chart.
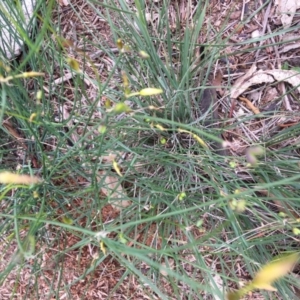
(252, 78)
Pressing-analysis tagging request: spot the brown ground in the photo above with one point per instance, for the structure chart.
(64, 264)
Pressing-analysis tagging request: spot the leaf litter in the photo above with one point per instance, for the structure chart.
(111, 271)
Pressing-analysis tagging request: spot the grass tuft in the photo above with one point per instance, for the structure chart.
(104, 105)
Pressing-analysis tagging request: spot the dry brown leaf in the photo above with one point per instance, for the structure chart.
(252, 78)
(289, 47)
(286, 10)
(63, 2)
(240, 81)
(11, 129)
(270, 94)
(113, 190)
(290, 76)
(291, 42)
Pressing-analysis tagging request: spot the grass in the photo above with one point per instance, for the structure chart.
(181, 235)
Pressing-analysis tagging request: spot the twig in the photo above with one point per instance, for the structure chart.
(281, 85)
(265, 23)
(101, 53)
